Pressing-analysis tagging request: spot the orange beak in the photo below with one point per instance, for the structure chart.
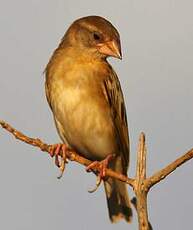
(110, 48)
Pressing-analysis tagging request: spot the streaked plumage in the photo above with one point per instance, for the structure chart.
(86, 99)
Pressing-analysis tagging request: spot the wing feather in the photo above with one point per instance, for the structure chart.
(114, 96)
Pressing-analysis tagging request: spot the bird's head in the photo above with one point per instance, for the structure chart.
(94, 35)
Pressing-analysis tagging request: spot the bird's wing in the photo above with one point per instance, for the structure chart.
(48, 94)
(114, 96)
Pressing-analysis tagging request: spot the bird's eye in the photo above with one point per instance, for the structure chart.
(96, 36)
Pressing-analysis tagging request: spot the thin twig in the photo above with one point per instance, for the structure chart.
(163, 173)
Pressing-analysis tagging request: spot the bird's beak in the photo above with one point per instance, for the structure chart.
(110, 48)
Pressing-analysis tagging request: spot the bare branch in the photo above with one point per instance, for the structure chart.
(134, 203)
(140, 184)
(139, 188)
(163, 173)
(141, 159)
(71, 155)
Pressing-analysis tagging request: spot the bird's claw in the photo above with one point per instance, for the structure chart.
(98, 182)
(101, 167)
(60, 161)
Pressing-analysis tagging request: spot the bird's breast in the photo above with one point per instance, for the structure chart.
(80, 106)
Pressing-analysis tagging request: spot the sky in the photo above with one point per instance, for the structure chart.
(156, 75)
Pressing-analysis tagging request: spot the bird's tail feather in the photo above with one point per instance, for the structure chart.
(118, 200)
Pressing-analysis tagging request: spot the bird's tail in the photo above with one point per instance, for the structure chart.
(118, 200)
(117, 195)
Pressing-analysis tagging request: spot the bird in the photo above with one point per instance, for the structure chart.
(86, 99)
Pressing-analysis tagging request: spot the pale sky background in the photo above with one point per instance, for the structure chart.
(156, 74)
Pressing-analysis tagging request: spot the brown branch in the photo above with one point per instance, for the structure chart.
(163, 173)
(139, 188)
(71, 155)
(134, 203)
(140, 184)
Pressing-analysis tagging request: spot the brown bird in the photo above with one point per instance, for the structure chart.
(87, 102)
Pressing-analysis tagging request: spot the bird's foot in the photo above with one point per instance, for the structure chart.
(101, 166)
(60, 160)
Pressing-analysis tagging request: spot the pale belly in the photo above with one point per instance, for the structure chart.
(85, 123)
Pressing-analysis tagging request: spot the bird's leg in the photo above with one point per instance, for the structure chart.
(55, 152)
(102, 167)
